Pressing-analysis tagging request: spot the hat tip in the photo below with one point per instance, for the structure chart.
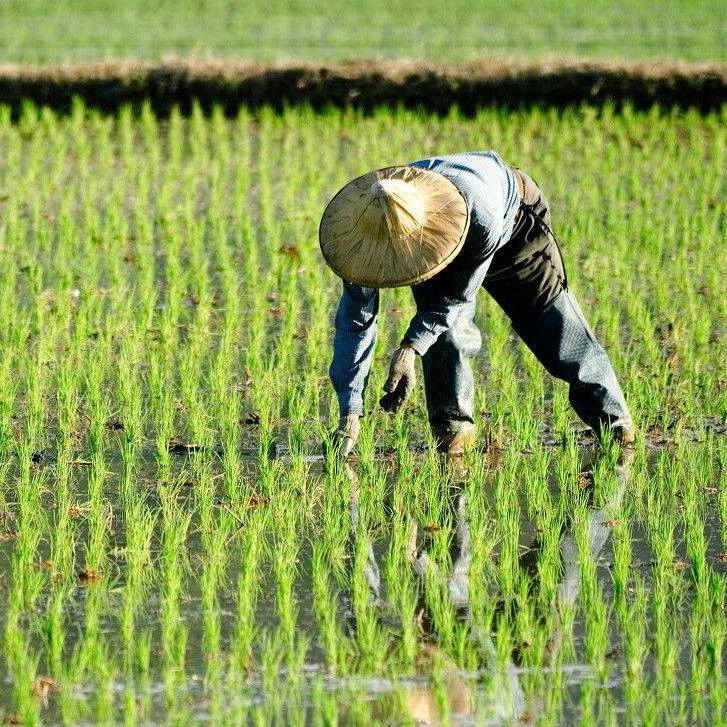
(380, 188)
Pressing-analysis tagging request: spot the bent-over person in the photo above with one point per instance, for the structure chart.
(448, 226)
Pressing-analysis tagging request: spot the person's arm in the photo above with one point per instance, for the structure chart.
(353, 346)
(440, 301)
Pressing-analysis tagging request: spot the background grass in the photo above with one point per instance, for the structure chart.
(38, 31)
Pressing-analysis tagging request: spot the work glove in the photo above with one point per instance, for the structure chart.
(402, 378)
(346, 434)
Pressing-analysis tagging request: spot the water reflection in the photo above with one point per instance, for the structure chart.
(420, 701)
(466, 700)
(600, 522)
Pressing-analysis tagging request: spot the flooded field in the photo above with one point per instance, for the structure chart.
(174, 548)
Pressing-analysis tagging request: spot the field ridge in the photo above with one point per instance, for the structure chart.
(432, 86)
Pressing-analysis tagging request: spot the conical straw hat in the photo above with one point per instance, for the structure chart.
(395, 226)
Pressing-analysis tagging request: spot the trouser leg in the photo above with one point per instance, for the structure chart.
(563, 342)
(448, 379)
(527, 278)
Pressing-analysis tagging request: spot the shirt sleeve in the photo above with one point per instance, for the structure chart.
(353, 345)
(440, 301)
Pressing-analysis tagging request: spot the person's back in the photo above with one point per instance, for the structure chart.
(488, 185)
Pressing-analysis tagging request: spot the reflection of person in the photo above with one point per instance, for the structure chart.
(599, 530)
(506, 700)
(447, 226)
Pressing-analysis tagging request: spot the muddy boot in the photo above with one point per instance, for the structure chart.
(624, 434)
(562, 341)
(452, 468)
(453, 442)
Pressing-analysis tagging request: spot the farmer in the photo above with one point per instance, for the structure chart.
(448, 226)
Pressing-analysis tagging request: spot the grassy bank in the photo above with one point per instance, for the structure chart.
(429, 87)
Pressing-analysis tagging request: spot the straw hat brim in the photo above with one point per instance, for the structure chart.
(386, 259)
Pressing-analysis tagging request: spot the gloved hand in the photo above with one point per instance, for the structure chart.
(346, 434)
(402, 378)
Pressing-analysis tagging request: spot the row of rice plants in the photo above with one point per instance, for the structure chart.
(171, 545)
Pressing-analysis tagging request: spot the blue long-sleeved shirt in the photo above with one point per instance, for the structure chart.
(489, 188)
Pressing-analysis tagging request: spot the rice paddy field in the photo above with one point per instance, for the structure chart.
(174, 549)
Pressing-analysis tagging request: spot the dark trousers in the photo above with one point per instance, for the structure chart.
(527, 279)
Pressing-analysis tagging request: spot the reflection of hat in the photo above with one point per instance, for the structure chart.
(395, 226)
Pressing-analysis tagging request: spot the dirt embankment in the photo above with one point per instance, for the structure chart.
(435, 87)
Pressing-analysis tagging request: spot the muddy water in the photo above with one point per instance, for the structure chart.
(498, 691)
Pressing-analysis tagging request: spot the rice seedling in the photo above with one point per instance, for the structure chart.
(173, 547)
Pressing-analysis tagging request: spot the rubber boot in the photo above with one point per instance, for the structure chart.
(562, 341)
(451, 440)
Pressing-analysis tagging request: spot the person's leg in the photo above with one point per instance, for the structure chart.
(528, 280)
(449, 383)
(564, 343)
